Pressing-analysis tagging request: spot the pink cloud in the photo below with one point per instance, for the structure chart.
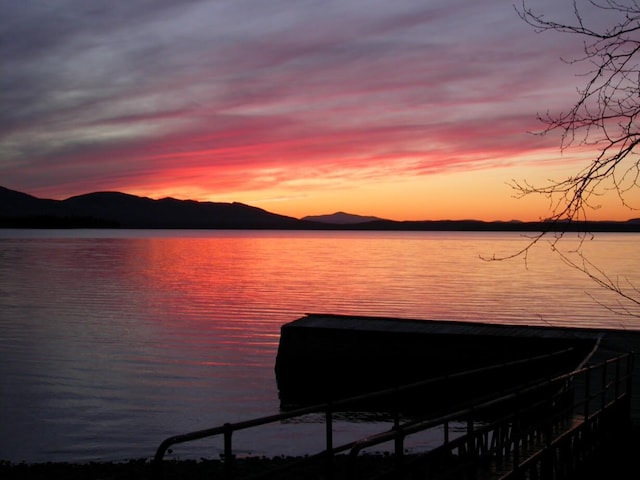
(217, 97)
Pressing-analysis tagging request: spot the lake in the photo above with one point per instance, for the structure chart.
(112, 340)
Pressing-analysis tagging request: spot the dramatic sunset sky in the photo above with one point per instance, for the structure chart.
(404, 109)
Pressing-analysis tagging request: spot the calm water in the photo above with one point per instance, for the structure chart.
(110, 341)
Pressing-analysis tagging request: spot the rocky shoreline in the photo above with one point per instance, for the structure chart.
(179, 469)
(619, 466)
(618, 460)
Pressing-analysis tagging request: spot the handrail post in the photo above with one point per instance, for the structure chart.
(617, 384)
(587, 392)
(446, 433)
(629, 383)
(396, 407)
(328, 424)
(516, 431)
(604, 387)
(630, 366)
(157, 470)
(472, 446)
(229, 469)
(399, 449)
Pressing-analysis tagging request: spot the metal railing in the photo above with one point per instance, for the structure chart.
(393, 396)
(541, 436)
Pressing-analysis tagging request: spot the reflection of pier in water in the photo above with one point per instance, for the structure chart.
(539, 401)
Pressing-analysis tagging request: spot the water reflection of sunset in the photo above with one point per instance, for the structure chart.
(167, 332)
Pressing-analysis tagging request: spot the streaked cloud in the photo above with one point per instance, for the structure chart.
(217, 98)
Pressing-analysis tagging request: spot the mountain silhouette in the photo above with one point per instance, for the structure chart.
(341, 218)
(115, 209)
(121, 210)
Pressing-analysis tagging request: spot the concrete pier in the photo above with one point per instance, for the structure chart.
(322, 357)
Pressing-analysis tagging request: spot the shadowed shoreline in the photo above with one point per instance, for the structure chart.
(618, 460)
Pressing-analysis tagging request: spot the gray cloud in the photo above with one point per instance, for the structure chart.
(99, 81)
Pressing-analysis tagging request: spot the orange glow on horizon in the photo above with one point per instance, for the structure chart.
(479, 195)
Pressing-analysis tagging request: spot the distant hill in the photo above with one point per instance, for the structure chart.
(341, 218)
(121, 210)
(115, 209)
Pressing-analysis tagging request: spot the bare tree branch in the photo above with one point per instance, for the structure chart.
(605, 120)
(604, 117)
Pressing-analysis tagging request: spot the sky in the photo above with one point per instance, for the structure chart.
(407, 110)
